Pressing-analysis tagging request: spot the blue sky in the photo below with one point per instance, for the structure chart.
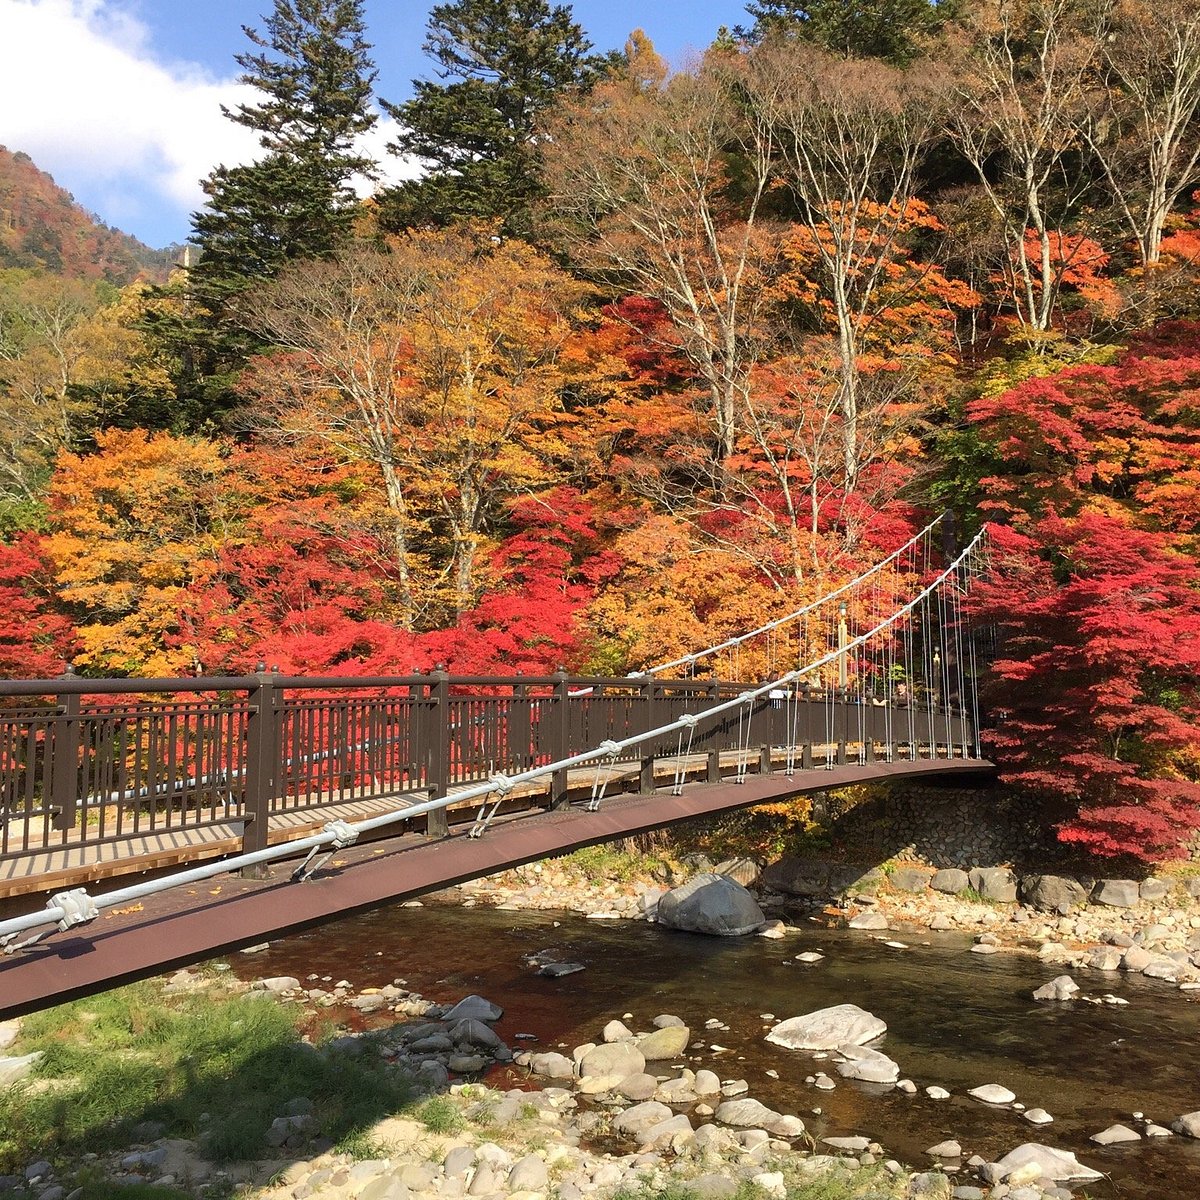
(120, 99)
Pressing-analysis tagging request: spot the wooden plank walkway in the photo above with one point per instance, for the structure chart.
(71, 865)
(54, 868)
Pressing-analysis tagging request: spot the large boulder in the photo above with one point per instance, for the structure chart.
(668, 1042)
(665, 1133)
(1104, 958)
(798, 877)
(1114, 1135)
(868, 920)
(1188, 1125)
(680, 1090)
(1136, 958)
(950, 880)
(1052, 893)
(1117, 893)
(1062, 987)
(813, 877)
(828, 1029)
(474, 1008)
(996, 884)
(470, 1032)
(910, 879)
(746, 1114)
(528, 1175)
(1154, 889)
(1060, 1165)
(713, 904)
(637, 1087)
(641, 1117)
(741, 870)
(17, 1068)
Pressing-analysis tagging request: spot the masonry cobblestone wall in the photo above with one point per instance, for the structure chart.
(943, 827)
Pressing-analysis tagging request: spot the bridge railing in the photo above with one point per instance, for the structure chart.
(89, 762)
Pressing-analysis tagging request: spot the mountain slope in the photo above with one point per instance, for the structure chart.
(42, 228)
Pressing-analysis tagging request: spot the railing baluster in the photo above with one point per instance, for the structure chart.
(646, 772)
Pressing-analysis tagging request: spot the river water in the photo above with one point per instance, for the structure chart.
(954, 1018)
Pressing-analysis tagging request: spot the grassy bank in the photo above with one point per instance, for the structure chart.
(208, 1065)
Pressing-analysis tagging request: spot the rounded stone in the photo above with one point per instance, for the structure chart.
(668, 1042)
(828, 1029)
(613, 1059)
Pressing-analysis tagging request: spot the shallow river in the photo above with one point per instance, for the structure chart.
(954, 1018)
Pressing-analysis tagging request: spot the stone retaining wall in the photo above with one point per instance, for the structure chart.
(943, 827)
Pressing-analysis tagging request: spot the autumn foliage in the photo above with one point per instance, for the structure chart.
(1095, 592)
(741, 329)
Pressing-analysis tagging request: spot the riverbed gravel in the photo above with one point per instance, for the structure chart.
(627, 1113)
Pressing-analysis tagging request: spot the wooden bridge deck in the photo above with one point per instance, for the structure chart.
(52, 868)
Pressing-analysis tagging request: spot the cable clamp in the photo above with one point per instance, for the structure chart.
(343, 835)
(77, 906)
(501, 783)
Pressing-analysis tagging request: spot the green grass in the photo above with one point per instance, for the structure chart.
(106, 1189)
(115, 1060)
(362, 1147)
(440, 1115)
(604, 864)
(834, 1185)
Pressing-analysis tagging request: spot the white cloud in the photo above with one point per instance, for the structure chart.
(83, 95)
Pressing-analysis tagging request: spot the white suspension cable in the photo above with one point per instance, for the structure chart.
(66, 909)
(731, 644)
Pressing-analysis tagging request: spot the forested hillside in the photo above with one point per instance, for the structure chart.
(646, 356)
(43, 229)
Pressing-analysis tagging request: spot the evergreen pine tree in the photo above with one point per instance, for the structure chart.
(893, 30)
(312, 68)
(505, 61)
(313, 71)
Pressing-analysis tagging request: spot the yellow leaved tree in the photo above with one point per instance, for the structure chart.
(129, 527)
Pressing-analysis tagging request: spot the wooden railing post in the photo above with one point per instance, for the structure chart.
(64, 760)
(804, 728)
(437, 823)
(560, 740)
(264, 742)
(646, 774)
(765, 766)
(714, 747)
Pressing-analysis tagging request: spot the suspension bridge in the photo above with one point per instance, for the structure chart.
(255, 805)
